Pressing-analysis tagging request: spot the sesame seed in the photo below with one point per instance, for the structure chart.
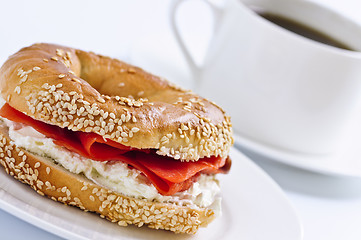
(135, 129)
(101, 100)
(76, 80)
(131, 70)
(59, 52)
(124, 134)
(24, 79)
(17, 90)
(20, 72)
(61, 76)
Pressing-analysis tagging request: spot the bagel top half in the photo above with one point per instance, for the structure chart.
(83, 91)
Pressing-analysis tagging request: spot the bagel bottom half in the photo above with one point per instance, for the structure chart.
(49, 179)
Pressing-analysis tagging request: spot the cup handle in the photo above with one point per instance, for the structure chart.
(194, 67)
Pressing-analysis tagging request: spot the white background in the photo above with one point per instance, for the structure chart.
(138, 30)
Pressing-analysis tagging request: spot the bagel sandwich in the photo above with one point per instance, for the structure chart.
(108, 137)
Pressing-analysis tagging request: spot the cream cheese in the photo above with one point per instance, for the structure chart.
(114, 175)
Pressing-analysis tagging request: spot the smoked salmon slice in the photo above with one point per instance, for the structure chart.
(168, 175)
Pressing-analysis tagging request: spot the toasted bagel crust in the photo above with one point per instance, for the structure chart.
(49, 179)
(91, 93)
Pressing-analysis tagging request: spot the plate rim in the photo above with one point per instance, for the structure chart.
(35, 221)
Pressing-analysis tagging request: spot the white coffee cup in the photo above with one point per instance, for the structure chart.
(282, 90)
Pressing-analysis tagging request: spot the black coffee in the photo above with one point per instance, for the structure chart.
(303, 30)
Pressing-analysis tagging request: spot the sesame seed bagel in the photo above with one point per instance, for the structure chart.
(83, 91)
(49, 179)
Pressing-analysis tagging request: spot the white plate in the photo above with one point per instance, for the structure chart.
(254, 207)
(344, 162)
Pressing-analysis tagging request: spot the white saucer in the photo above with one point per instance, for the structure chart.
(254, 207)
(345, 162)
